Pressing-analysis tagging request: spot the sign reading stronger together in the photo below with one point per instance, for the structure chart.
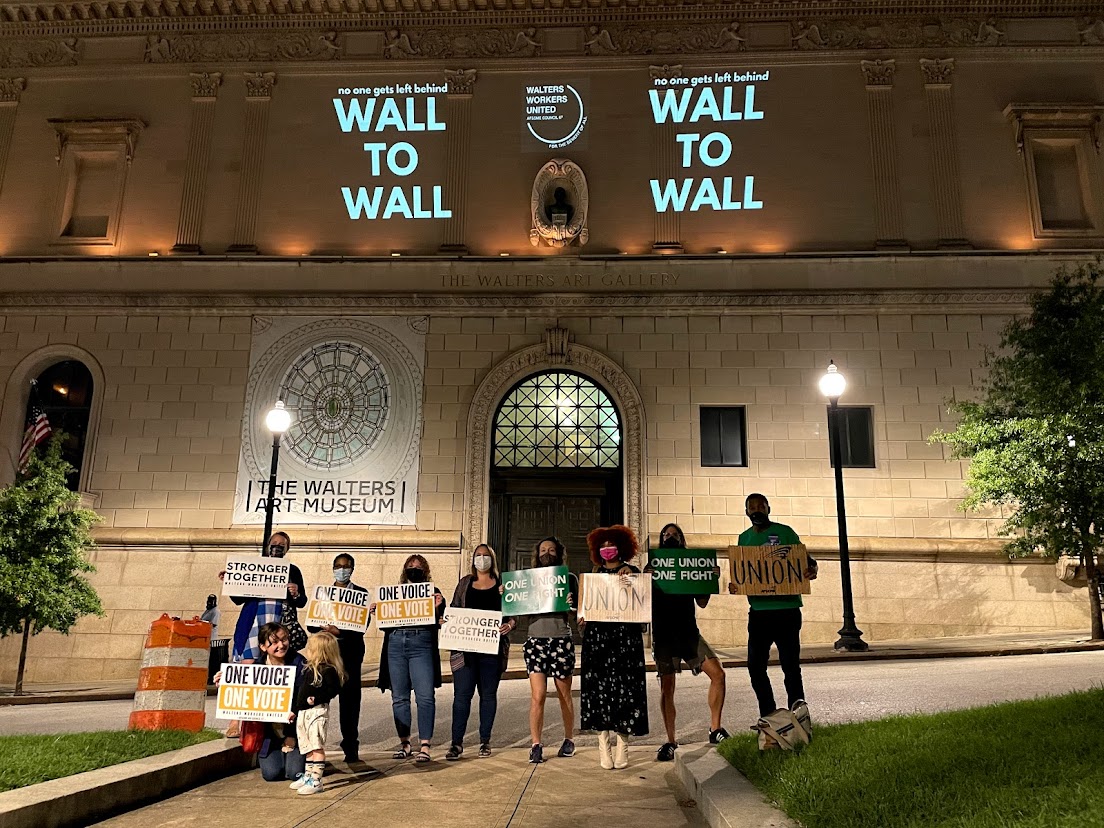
(405, 605)
(250, 576)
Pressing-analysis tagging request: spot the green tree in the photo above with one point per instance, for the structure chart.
(44, 537)
(1036, 436)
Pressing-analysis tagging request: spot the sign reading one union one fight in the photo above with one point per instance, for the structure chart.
(353, 388)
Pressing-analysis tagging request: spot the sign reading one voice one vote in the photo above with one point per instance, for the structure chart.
(395, 120)
(470, 630)
(404, 605)
(704, 108)
(250, 576)
(624, 598)
(255, 692)
(536, 591)
(346, 609)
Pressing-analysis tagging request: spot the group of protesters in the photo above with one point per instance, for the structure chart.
(613, 696)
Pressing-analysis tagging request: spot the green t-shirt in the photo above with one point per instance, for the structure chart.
(775, 533)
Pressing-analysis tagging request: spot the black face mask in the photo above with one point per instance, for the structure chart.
(670, 543)
(759, 518)
(415, 575)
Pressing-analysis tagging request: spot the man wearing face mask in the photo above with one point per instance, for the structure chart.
(676, 639)
(351, 645)
(773, 619)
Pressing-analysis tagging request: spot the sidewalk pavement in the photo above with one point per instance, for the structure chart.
(1023, 643)
(502, 791)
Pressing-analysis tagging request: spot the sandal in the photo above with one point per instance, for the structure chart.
(422, 755)
(404, 751)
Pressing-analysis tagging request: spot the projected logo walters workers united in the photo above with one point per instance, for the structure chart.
(715, 101)
(554, 114)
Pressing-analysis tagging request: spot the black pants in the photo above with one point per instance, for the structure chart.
(781, 627)
(349, 713)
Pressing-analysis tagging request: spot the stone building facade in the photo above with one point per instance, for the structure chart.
(209, 206)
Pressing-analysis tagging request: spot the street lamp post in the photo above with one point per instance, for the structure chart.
(832, 385)
(278, 420)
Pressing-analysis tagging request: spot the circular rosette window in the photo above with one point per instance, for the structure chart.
(339, 397)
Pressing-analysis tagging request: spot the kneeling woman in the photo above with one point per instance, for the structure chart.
(614, 697)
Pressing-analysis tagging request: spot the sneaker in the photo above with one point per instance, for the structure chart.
(666, 753)
(454, 753)
(719, 735)
(536, 754)
(567, 749)
(484, 750)
(310, 786)
(299, 782)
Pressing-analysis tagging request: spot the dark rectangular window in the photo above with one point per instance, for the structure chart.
(856, 424)
(723, 436)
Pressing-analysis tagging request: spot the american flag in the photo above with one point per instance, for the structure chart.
(38, 429)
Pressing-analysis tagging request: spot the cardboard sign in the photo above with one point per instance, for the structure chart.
(341, 607)
(536, 591)
(255, 692)
(621, 598)
(470, 631)
(685, 571)
(250, 576)
(405, 605)
(769, 570)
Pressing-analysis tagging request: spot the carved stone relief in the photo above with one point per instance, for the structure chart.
(11, 89)
(460, 81)
(458, 43)
(937, 72)
(203, 48)
(879, 72)
(657, 40)
(531, 360)
(559, 205)
(17, 53)
(205, 84)
(259, 84)
(902, 33)
(1091, 31)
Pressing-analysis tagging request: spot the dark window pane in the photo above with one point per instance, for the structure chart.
(65, 390)
(856, 425)
(723, 436)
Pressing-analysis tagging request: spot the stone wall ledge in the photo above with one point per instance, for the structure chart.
(302, 539)
(931, 550)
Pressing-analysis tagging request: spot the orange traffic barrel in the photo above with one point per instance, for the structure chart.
(172, 684)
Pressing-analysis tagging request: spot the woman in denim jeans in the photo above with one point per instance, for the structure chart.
(410, 660)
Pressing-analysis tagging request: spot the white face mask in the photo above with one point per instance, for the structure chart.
(482, 562)
(342, 574)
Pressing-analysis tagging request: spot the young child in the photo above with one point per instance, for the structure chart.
(321, 681)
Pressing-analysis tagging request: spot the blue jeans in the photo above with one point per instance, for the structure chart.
(278, 765)
(410, 654)
(486, 672)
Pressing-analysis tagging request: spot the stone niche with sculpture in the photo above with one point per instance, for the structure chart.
(559, 205)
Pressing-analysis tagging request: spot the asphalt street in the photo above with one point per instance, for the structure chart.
(836, 693)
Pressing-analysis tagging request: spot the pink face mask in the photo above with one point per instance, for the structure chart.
(609, 553)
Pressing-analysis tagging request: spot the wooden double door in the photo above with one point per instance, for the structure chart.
(528, 507)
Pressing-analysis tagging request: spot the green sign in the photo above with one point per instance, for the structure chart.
(535, 591)
(685, 571)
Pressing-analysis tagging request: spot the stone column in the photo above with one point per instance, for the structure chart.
(944, 150)
(205, 88)
(460, 83)
(258, 96)
(665, 163)
(11, 89)
(883, 154)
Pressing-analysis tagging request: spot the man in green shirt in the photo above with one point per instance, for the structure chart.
(773, 619)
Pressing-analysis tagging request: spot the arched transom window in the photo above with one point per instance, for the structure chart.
(557, 420)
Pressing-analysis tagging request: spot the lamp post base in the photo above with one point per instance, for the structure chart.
(850, 639)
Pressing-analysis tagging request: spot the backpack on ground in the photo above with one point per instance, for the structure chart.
(785, 729)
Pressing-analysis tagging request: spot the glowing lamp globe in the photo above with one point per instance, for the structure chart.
(278, 420)
(832, 384)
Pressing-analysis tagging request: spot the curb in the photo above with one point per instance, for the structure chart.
(85, 798)
(724, 796)
(728, 663)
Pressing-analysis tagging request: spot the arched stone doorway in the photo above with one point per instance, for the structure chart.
(596, 371)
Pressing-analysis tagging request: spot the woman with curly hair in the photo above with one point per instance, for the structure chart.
(614, 698)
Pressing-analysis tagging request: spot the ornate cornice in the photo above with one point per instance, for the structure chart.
(11, 89)
(699, 302)
(210, 48)
(937, 72)
(437, 44)
(16, 53)
(878, 72)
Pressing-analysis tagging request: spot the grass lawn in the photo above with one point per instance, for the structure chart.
(1037, 764)
(25, 760)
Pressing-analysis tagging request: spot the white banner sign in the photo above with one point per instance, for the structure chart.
(255, 692)
(405, 605)
(346, 609)
(470, 630)
(252, 576)
(622, 598)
